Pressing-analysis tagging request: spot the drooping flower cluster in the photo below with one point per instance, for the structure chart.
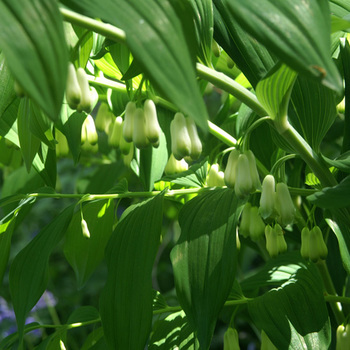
(313, 246)
(241, 173)
(275, 242)
(215, 177)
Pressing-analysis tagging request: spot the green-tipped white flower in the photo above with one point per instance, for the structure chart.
(257, 225)
(196, 144)
(215, 177)
(231, 341)
(284, 205)
(244, 184)
(85, 229)
(115, 132)
(254, 175)
(267, 199)
(175, 166)
(139, 137)
(343, 337)
(88, 131)
(244, 227)
(180, 138)
(128, 126)
(230, 171)
(86, 102)
(73, 91)
(152, 126)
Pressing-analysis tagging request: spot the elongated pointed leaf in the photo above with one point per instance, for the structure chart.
(173, 332)
(296, 31)
(294, 315)
(333, 197)
(204, 258)
(126, 300)
(29, 270)
(274, 91)
(85, 254)
(7, 92)
(252, 58)
(32, 40)
(155, 37)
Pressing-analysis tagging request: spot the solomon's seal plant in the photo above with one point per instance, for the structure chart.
(117, 119)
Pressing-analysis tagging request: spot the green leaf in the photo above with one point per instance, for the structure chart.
(251, 57)
(296, 31)
(8, 122)
(29, 143)
(274, 92)
(195, 176)
(152, 163)
(95, 340)
(343, 236)
(333, 197)
(83, 314)
(7, 92)
(173, 332)
(339, 24)
(312, 110)
(339, 8)
(126, 300)
(342, 162)
(155, 36)
(294, 315)
(32, 40)
(204, 258)
(29, 270)
(85, 254)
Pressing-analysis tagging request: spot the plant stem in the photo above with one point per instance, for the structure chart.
(329, 288)
(107, 83)
(229, 85)
(105, 29)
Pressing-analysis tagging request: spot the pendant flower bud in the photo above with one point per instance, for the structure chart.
(305, 238)
(115, 133)
(125, 146)
(139, 133)
(196, 144)
(257, 226)
(128, 126)
(254, 175)
(215, 177)
(267, 199)
(284, 205)
(88, 131)
(317, 247)
(85, 229)
(175, 166)
(104, 117)
(180, 138)
(281, 242)
(244, 184)
(85, 103)
(73, 91)
(343, 337)
(231, 341)
(230, 171)
(152, 126)
(127, 158)
(275, 242)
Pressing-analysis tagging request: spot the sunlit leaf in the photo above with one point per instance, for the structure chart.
(204, 258)
(296, 31)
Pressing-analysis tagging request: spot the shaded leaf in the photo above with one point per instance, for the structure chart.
(173, 332)
(296, 31)
(155, 36)
(126, 300)
(204, 259)
(195, 176)
(85, 254)
(7, 92)
(333, 197)
(32, 40)
(29, 270)
(342, 162)
(83, 314)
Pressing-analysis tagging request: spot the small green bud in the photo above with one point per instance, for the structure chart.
(305, 243)
(267, 199)
(180, 138)
(281, 242)
(284, 205)
(317, 247)
(231, 340)
(128, 125)
(343, 337)
(257, 226)
(244, 184)
(230, 171)
(271, 241)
